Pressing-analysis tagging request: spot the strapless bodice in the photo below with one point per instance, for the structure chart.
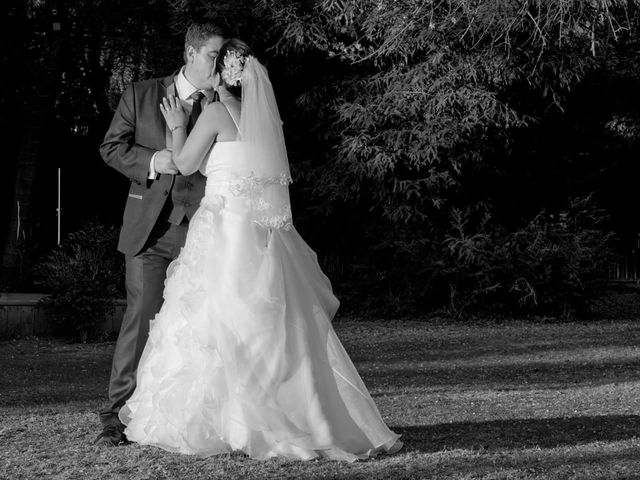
(223, 157)
(222, 168)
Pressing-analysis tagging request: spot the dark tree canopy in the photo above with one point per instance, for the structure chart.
(424, 136)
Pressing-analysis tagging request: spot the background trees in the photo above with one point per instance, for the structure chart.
(65, 72)
(431, 140)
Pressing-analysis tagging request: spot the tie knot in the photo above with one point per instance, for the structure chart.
(197, 96)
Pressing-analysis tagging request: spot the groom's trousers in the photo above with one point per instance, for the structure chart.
(145, 276)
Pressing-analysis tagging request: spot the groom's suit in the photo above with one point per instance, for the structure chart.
(154, 224)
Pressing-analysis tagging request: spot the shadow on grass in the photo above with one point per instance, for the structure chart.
(575, 464)
(506, 375)
(51, 373)
(518, 434)
(33, 376)
(467, 347)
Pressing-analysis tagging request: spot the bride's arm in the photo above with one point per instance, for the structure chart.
(189, 152)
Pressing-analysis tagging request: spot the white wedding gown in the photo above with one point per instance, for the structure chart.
(242, 355)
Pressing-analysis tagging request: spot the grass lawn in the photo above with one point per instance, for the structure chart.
(513, 400)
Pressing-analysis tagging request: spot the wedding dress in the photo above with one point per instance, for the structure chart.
(242, 355)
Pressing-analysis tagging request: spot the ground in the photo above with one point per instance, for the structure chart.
(472, 400)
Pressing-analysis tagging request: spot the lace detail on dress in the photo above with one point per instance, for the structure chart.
(270, 214)
(282, 221)
(252, 184)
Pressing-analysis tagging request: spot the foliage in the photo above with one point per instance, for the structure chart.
(554, 264)
(435, 102)
(409, 112)
(399, 114)
(84, 276)
(435, 86)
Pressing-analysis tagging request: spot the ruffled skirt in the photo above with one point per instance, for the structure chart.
(242, 355)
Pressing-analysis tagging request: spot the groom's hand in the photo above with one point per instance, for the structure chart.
(164, 164)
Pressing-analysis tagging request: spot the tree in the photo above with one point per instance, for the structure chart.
(418, 100)
(37, 115)
(397, 114)
(70, 78)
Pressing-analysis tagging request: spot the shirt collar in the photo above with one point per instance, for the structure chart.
(184, 88)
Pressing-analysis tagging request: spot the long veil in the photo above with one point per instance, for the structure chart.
(263, 155)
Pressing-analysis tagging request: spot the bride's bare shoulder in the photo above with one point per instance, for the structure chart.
(214, 109)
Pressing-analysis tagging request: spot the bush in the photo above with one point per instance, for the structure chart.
(84, 275)
(551, 264)
(555, 264)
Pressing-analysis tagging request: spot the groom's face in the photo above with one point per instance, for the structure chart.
(199, 67)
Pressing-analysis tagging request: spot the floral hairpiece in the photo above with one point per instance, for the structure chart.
(233, 67)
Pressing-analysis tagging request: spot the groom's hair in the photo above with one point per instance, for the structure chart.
(199, 33)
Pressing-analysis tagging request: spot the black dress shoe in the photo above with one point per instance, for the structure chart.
(112, 436)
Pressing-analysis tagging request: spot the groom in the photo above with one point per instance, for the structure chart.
(159, 205)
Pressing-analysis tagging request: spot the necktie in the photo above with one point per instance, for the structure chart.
(197, 107)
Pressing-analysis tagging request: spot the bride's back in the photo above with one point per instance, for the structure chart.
(226, 116)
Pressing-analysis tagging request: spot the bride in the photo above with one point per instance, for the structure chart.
(242, 355)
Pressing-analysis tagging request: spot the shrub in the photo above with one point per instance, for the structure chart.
(555, 264)
(84, 275)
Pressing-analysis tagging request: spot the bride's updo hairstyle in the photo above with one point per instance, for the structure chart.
(230, 64)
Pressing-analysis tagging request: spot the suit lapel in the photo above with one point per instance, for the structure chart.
(167, 87)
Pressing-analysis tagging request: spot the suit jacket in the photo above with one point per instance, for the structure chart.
(137, 131)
